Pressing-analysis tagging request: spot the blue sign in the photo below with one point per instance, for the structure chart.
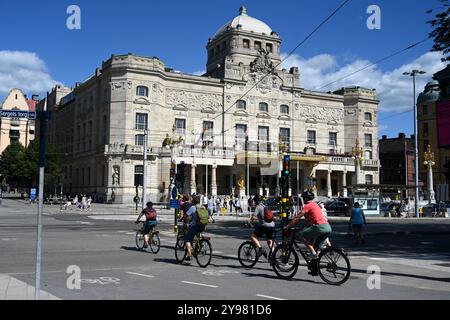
(33, 193)
(174, 204)
(17, 114)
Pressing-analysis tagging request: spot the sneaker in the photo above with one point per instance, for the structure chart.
(188, 259)
(262, 252)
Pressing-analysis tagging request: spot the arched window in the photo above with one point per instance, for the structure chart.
(142, 91)
(241, 104)
(263, 107)
(284, 109)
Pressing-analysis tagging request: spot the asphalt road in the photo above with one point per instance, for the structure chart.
(414, 259)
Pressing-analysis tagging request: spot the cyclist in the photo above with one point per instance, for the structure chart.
(150, 221)
(195, 225)
(262, 227)
(317, 223)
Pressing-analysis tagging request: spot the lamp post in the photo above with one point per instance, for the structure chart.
(413, 74)
(170, 142)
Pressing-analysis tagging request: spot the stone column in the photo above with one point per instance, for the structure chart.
(329, 191)
(357, 171)
(344, 184)
(214, 181)
(431, 196)
(193, 184)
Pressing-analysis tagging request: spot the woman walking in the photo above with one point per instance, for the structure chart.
(357, 220)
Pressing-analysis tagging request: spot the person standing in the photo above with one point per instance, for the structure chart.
(211, 207)
(83, 203)
(357, 220)
(231, 203)
(205, 201)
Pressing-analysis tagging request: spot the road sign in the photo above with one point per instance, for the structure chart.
(174, 204)
(17, 114)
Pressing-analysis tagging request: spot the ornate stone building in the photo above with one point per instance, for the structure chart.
(232, 120)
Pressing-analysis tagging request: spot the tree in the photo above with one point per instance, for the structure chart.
(13, 165)
(53, 165)
(441, 32)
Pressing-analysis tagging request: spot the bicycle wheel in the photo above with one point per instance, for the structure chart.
(203, 252)
(180, 250)
(140, 240)
(285, 261)
(247, 254)
(155, 242)
(334, 266)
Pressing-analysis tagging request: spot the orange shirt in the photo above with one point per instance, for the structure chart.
(314, 214)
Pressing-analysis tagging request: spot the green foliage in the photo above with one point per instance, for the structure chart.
(13, 166)
(20, 166)
(441, 32)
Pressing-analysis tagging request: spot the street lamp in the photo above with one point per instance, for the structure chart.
(413, 74)
(170, 142)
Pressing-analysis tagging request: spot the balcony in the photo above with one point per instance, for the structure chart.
(370, 163)
(211, 152)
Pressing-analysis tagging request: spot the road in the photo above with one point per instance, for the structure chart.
(413, 256)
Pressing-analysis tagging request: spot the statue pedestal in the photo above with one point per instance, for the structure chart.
(240, 192)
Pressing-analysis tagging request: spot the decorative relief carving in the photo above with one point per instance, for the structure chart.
(263, 83)
(193, 100)
(322, 113)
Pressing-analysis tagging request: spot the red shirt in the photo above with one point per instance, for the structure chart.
(314, 214)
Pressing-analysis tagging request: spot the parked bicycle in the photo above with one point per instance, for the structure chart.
(154, 242)
(201, 248)
(248, 253)
(332, 264)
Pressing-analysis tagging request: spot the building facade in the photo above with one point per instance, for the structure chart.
(235, 121)
(433, 117)
(15, 129)
(397, 165)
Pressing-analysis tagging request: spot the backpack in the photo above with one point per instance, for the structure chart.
(268, 215)
(202, 215)
(150, 214)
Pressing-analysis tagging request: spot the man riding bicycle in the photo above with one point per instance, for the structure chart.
(264, 226)
(317, 223)
(195, 224)
(150, 221)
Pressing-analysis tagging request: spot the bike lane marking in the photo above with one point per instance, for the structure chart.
(200, 284)
(269, 297)
(140, 274)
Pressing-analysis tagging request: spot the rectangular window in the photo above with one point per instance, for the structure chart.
(369, 179)
(257, 45)
(333, 139)
(368, 116)
(246, 43)
(425, 129)
(180, 125)
(263, 107)
(241, 131)
(139, 139)
(240, 104)
(311, 137)
(269, 47)
(141, 121)
(263, 133)
(208, 132)
(138, 175)
(368, 140)
(285, 134)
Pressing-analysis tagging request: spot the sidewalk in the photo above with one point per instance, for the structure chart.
(13, 289)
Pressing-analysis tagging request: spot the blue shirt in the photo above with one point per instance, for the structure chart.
(357, 216)
(192, 212)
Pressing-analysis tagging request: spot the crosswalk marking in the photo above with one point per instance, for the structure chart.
(200, 284)
(269, 297)
(140, 274)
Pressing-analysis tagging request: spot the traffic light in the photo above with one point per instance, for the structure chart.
(285, 177)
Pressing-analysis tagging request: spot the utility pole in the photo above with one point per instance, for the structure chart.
(42, 141)
(413, 74)
(144, 178)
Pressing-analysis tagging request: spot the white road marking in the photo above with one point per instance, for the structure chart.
(269, 297)
(84, 222)
(140, 274)
(426, 242)
(200, 284)
(217, 252)
(231, 255)
(9, 239)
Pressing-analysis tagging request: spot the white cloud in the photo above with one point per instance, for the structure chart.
(199, 72)
(394, 89)
(24, 70)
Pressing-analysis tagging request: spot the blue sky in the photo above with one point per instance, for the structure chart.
(36, 44)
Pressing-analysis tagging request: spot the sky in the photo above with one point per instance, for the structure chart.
(37, 50)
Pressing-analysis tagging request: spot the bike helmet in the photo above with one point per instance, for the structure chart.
(308, 196)
(149, 204)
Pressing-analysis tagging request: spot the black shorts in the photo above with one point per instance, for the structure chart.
(357, 227)
(263, 230)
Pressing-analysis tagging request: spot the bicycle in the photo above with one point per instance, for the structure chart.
(326, 265)
(201, 248)
(248, 253)
(154, 241)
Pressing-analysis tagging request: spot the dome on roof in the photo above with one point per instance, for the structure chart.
(246, 23)
(431, 93)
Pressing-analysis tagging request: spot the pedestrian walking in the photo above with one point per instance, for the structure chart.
(357, 220)
(83, 203)
(211, 208)
(231, 202)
